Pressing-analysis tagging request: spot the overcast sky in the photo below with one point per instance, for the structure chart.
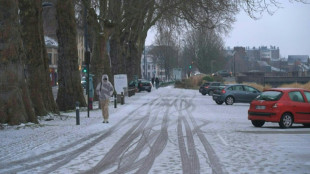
(288, 29)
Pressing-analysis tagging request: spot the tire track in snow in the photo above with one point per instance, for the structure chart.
(120, 147)
(146, 162)
(159, 144)
(63, 158)
(127, 161)
(215, 163)
(189, 157)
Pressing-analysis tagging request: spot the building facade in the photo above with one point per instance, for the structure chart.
(52, 54)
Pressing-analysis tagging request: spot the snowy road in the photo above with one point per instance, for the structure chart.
(166, 131)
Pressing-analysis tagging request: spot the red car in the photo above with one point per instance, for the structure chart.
(282, 105)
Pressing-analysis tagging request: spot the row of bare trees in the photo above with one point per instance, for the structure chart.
(116, 34)
(201, 48)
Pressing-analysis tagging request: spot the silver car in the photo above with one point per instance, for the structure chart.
(236, 93)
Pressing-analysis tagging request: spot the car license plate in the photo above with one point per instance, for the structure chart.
(260, 107)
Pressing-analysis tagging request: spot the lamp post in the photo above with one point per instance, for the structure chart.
(86, 57)
(145, 68)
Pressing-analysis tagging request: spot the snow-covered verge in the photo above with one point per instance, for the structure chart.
(166, 131)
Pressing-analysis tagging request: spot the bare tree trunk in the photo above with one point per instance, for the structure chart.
(36, 61)
(117, 55)
(69, 80)
(15, 102)
(100, 61)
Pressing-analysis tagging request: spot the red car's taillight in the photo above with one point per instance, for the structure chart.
(276, 105)
(223, 91)
(207, 87)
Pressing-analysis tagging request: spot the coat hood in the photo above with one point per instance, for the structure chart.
(105, 76)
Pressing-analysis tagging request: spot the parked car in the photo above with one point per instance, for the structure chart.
(208, 88)
(223, 73)
(282, 105)
(236, 93)
(141, 85)
(201, 88)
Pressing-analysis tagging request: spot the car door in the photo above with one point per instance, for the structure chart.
(307, 95)
(250, 93)
(300, 106)
(238, 93)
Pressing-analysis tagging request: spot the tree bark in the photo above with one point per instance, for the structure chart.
(37, 60)
(16, 106)
(69, 81)
(100, 61)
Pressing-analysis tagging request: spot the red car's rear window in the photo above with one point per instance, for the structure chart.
(269, 95)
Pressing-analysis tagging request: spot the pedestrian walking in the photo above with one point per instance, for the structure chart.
(105, 90)
(157, 82)
(153, 79)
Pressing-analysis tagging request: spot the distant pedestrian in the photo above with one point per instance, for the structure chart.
(105, 90)
(156, 82)
(153, 79)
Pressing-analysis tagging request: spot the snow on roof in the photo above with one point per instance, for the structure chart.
(263, 63)
(50, 42)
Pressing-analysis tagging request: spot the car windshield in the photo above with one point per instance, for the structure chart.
(269, 95)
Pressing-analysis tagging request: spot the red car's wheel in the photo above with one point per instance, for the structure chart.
(258, 123)
(286, 120)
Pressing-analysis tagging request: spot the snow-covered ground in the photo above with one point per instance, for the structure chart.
(166, 131)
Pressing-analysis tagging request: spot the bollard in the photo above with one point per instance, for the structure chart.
(122, 98)
(77, 108)
(115, 102)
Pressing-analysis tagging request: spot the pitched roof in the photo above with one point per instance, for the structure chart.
(301, 58)
(49, 42)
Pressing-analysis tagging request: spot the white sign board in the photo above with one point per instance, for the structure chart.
(177, 73)
(120, 82)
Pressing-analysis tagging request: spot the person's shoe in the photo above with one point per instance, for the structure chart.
(107, 121)
(103, 122)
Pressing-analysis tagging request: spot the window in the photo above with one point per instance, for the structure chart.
(237, 88)
(49, 58)
(296, 96)
(250, 89)
(148, 66)
(307, 96)
(215, 84)
(56, 59)
(270, 96)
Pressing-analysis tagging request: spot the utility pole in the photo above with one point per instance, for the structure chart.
(145, 63)
(86, 56)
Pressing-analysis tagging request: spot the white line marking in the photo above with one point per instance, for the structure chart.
(222, 139)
